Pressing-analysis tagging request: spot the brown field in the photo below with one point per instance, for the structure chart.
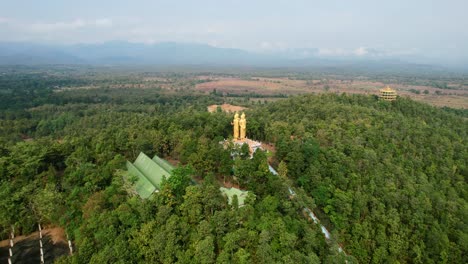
(268, 89)
(155, 79)
(147, 85)
(261, 86)
(226, 108)
(26, 248)
(270, 86)
(56, 234)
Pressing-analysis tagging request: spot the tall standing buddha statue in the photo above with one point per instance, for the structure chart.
(235, 124)
(242, 126)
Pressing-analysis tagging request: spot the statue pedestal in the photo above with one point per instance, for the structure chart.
(253, 145)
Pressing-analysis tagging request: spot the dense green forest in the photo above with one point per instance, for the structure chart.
(388, 178)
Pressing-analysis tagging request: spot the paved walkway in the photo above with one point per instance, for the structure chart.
(311, 214)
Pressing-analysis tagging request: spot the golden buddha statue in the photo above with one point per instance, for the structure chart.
(235, 124)
(242, 126)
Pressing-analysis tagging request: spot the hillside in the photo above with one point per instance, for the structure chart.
(390, 177)
(387, 179)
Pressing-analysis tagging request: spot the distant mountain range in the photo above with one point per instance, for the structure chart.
(125, 53)
(171, 53)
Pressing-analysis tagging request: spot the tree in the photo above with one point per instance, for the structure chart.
(180, 180)
(204, 251)
(48, 205)
(283, 170)
(244, 151)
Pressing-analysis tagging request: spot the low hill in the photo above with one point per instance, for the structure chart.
(390, 177)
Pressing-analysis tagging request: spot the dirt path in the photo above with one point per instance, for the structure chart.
(26, 249)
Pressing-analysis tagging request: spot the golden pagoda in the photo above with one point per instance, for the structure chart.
(388, 94)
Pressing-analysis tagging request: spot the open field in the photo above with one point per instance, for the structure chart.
(456, 98)
(226, 108)
(262, 86)
(257, 85)
(270, 89)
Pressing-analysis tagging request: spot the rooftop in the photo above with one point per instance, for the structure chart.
(387, 89)
(149, 173)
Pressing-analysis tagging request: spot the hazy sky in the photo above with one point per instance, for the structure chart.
(433, 27)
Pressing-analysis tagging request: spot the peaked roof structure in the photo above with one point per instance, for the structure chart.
(163, 163)
(149, 173)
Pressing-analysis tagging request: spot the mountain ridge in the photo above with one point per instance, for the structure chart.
(180, 53)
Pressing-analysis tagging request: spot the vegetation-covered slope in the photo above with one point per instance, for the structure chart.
(62, 164)
(390, 177)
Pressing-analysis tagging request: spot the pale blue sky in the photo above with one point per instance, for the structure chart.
(436, 28)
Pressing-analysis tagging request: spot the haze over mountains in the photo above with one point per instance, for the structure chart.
(173, 53)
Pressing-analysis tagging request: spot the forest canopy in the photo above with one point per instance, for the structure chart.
(389, 179)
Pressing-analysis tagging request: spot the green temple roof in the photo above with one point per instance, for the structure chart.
(142, 185)
(149, 173)
(163, 163)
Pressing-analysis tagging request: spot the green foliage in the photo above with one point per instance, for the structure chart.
(179, 180)
(389, 179)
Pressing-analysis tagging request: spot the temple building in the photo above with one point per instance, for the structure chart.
(149, 174)
(388, 94)
(146, 174)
